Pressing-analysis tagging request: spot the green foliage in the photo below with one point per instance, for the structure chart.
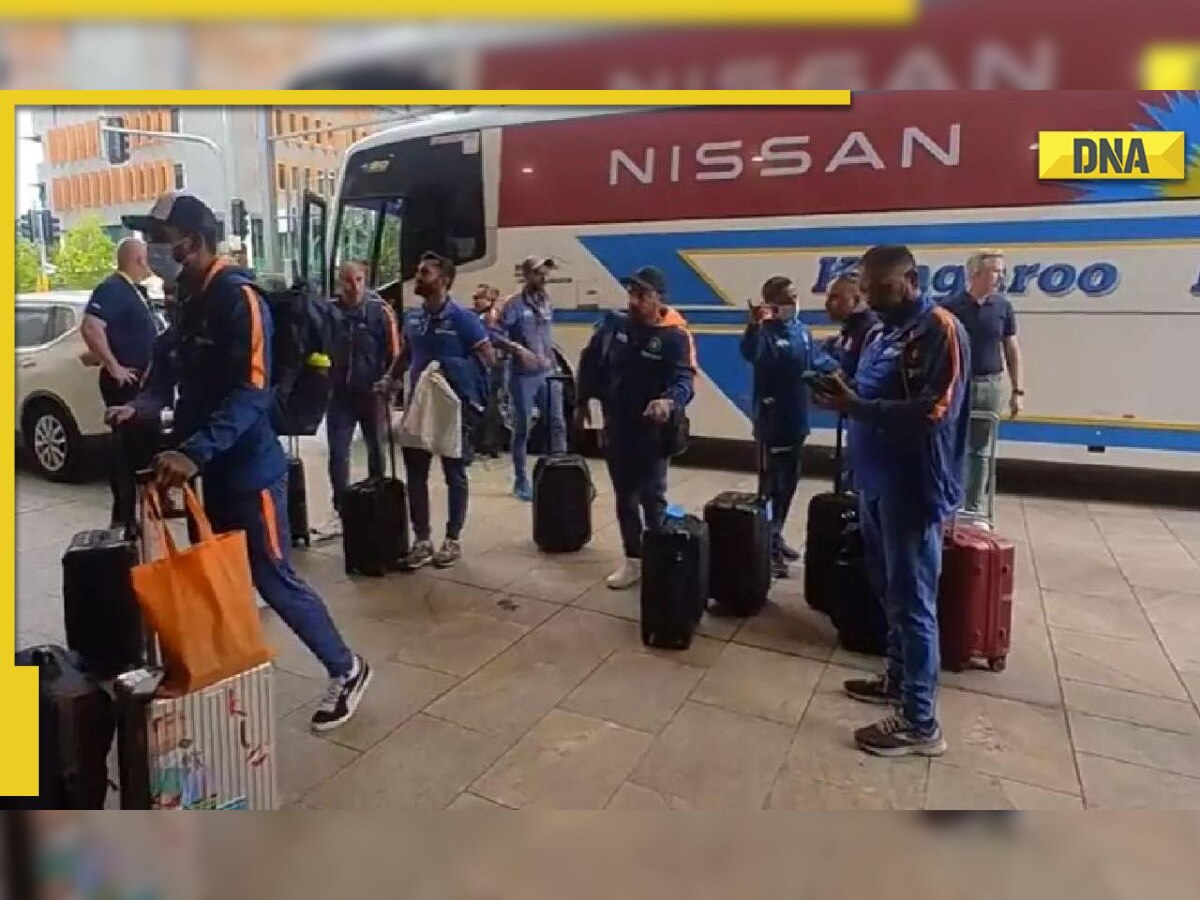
(28, 264)
(86, 256)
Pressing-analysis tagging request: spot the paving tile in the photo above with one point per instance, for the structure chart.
(1177, 572)
(397, 693)
(1030, 675)
(425, 764)
(492, 569)
(1006, 738)
(760, 683)
(1140, 709)
(306, 761)
(1080, 573)
(567, 761)
(467, 800)
(634, 689)
(1138, 666)
(513, 691)
(632, 796)
(1175, 618)
(559, 583)
(1113, 616)
(1110, 784)
(955, 787)
(710, 758)
(788, 625)
(459, 644)
(1151, 747)
(704, 652)
(627, 605)
(293, 691)
(798, 792)
(823, 750)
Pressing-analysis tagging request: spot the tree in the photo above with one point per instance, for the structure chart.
(28, 266)
(86, 256)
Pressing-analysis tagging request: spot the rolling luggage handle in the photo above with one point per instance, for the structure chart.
(838, 460)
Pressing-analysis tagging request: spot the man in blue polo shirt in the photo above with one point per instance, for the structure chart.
(119, 330)
(442, 331)
(991, 325)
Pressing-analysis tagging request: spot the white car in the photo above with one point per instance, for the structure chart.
(60, 415)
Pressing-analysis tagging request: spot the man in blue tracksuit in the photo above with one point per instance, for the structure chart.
(641, 366)
(909, 421)
(366, 341)
(441, 331)
(524, 328)
(215, 366)
(780, 348)
(846, 305)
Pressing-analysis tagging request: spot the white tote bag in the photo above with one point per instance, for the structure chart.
(433, 418)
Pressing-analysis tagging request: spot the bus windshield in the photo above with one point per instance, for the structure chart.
(402, 199)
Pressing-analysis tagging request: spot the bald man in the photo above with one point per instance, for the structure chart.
(119, 330)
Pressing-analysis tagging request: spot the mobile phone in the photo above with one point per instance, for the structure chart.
(813, 378)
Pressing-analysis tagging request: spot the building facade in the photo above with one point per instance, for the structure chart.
(77, 183)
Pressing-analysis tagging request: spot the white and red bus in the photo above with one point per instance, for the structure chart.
(1105, 276)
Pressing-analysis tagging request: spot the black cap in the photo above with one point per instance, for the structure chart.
(187, 213)
(647, 277)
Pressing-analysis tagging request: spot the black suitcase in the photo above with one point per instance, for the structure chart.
(855, 609)
(375, 521)
(739, 534)
(674, 589)
(101, 615)
(297, 496)
(828, 515)
(562, 503)
(75, 730)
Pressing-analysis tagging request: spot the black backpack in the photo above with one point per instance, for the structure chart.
(301, 351)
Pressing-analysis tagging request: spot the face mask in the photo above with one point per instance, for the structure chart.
(161, 260)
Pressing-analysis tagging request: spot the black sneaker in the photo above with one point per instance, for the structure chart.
(879, 690)
(787, 552)
(896, 736)
(779, 567)
(342, 697)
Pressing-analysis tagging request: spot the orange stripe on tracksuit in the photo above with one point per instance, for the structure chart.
(672, 318)
(270, 523)
(946, 321)
(393, 332)
(257, 376)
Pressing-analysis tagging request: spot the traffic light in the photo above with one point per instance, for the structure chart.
(241, 223)
(114, 145)
(51, 227)
(26, 226)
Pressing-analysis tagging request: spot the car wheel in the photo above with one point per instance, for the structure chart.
(53, 441)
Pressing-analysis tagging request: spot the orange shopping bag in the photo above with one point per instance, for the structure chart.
(199, 601)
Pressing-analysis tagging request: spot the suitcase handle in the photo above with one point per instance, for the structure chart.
(838, 463)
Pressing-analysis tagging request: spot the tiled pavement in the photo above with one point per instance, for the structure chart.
(519, 680)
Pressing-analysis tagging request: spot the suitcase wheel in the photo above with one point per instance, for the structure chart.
(998, 663)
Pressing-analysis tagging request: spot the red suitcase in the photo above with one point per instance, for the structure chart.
(975, 597)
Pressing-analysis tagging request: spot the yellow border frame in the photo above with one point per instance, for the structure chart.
(810, 12)
(18, 687)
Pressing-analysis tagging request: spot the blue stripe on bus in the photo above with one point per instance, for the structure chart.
(622, 254)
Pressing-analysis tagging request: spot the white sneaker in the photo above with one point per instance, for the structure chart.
(329, 529)
(627, 576)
